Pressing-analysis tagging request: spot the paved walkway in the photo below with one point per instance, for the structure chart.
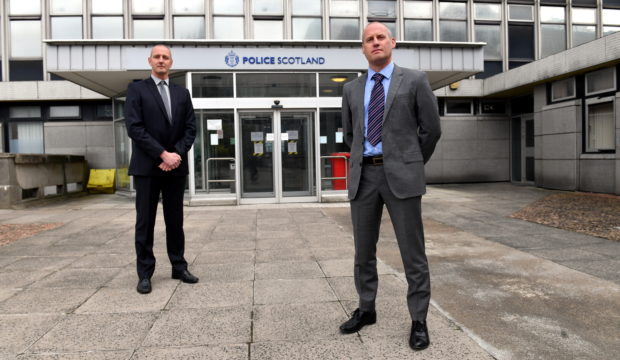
(276, 281)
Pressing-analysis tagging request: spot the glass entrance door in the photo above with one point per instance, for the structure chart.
(277, 156)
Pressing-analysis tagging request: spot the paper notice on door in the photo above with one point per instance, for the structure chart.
(293, 134)
(214, 140)
(270, 137)
(214, 124)
(258, 149)
(339, 137)
(292, 147)
(323, 139)
(220, 134)
(256, 136)
(284, 137)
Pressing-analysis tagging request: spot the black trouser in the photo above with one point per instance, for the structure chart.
(172, 189)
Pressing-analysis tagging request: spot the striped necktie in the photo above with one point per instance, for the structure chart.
(375, 111)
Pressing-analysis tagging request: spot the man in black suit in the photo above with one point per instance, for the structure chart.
(391, 124)
(160, 120)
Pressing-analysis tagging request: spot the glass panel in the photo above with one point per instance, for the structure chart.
(610, 29)
(189, 27)
(598, 81)
(553, 38)
(66, 27)
(69, 7)
(450, 10)
(216, 139)
(418, 30)
(521, 42)
(297, 154)
(345, 29)
(452, 30)
(493, 107)
(418, 9)
(227, 27)
(65, 111)
(584, 16)
(104, 111)
(520, 12)
(391, 26)
(306, 7)
(26, 137)
(268, 29)
(553, 14)
(262, 7)
(256, 155)
(563, 89)
(188, 6)
(344, 8)
(107, 27)
(107, 6)
(26, 70)
(148, 6)
(611, 17)
(583, 33)
(148, 29)
(307, 28)
(381, 8)
(330, 85)
(276, 85)
(601, 134)
(228, 7)
(25, 38)
(25, 112)
(487, 11)
(213, 85)
(458, 106)
(122, 151)
(25, 7)
(491, 35)
(332, 144)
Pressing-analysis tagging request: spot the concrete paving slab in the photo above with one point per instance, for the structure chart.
(289, 270)
(227, 235)
(18, 332)
(128, 300)
(224, 272)
(297, 322)
(7, 293)
(78, 278)
(288, 242)
(336, 349)
(224, 257)
(237, 227)
(567, 254)
(35, 301)
(326, 242)
(20, 279)
(90, 355)
(210, 326)
(42, 263)
(276, 255)
(128, 278)
(389, 286)
(343, 252)
(605, 269)
(212, 294)
(228, 245)
(223, 352)
(292, 291)
(87, 332)
(344, 267)
(111, 260)
(6, 260)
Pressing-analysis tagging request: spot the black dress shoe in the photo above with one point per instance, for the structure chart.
(185, 276)
(358, 320)
(144, 286)
(419, 339)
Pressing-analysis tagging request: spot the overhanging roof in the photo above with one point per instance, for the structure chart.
(108, 66)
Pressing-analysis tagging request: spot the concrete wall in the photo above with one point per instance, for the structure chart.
(93, 139)
(1, 138)
(471, 149)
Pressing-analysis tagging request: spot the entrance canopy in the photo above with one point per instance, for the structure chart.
(108, 66)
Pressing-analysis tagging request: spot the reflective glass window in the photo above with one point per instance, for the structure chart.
(491, 35)
(267, 7)
(344, 8)
(345, 29)
(66, 27)
(391, 26)
(26, 70)
(583, 33)
(107, 27)
(553, 39)
(418, 9)
(458, 106)
(268, 29)
(26, 137)
(451, 10)
(418, 30)
(66, 7)
(484, 11)
(563, 89)
(307, 28)
(24, 7)
(105, 7)
(148, 6)
(584, 15)
(148, 29)
(227, 7)
(276, 85)
(25, 38)
(189, 27)
(611, 17)
(452, 30)
(228, 27)
(600, 127)
(213, 85)
(188, 6)
(552, 14)
(381, 9)
(600, 81)
(610, 29)
(65, 111)
(25, 112)
(520, 12)
(306, 7)
(521, 42)
(330, 85)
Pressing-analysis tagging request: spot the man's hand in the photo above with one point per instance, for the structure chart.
(170, 160)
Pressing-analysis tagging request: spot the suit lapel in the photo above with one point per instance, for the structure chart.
(397, 78)
(155, 92)
(358, 96)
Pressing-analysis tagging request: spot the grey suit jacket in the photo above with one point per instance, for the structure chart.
(410, 131)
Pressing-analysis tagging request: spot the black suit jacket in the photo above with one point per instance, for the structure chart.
(148, 126)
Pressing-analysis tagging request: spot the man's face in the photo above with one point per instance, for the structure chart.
(160, 61)
(377, 44)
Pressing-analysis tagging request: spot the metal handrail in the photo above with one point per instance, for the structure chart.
(207, 171)
(346, 169)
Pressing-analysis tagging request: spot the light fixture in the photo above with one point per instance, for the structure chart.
(455, 85)
(328, 91)
(338, 79)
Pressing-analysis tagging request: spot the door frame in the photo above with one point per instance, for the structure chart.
(525, 151)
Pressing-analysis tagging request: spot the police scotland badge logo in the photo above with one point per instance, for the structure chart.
(231, 59)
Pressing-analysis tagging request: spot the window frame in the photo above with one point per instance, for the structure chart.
(594, 101)
(553, 100)
(612, 89)
(448, 99)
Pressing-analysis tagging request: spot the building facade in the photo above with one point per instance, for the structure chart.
(527, 89)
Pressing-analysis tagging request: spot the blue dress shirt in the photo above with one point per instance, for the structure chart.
(370, 150)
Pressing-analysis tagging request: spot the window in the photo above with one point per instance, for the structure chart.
(267, 7)
(485, 11)
(24, 7)
(563, 89)
(25, 38)
(188, 6)
(611, 21)
(148, 29)
(65, 7)
(418, 20)
(332, 143)
(601, 81)
(215, 85)
(153, 7)
(600, 131)
(345, 29)
(306, 20)
(148, 19)
(66, 27)
(520, 12)
(493, 107)
(381, 9)
(487, 29)
(189, 27)
(25, 130)
(276, 84)
(107, 27)
(330, 85)
(552, 30)
(268, 29)
(65, 112)
(107, 7)
(226, 26)
(344, 8)
(452, 21)
(584, 25)
(26, 70)
(104, 111)
(458, 107)
(520, 44)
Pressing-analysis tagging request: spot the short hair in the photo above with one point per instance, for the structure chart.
(164, 45)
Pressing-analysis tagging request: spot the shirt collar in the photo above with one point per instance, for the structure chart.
(158, 80)
(386, 71)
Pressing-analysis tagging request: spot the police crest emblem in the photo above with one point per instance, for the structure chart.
(231, 59)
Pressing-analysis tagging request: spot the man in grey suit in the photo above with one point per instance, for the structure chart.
(391, 124)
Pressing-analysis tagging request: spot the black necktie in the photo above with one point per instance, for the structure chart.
(375, 111)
